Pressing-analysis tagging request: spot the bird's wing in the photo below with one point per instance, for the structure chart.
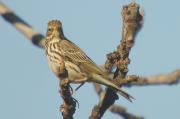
(75, 54)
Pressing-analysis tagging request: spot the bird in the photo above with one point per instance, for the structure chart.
(79, 66)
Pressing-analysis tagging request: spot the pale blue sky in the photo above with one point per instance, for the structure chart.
(29, 90)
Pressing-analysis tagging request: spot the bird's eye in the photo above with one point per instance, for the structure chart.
(49, 30)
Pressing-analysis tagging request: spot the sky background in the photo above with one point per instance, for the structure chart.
(29, 90)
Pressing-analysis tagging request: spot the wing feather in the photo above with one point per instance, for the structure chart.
(74, 52)
(76, 55)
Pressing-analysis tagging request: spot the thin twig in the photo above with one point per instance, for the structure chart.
(117, 109)
(171, 78)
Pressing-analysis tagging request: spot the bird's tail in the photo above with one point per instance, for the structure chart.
(99, 79)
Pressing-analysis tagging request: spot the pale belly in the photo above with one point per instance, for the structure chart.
(75, 75)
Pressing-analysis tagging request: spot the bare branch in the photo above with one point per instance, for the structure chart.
(116, 109)
(170, 78)
(132, 20)
(69, 106)
(163, 79)
(34, 36)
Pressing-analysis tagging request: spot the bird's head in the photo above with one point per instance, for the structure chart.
(54, 29)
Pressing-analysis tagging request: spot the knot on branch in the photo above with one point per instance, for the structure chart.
(132, 22)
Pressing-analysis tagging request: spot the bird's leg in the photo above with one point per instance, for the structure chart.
(79, 86)
(78, 81)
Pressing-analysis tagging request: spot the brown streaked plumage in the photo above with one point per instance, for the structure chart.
(79, 66)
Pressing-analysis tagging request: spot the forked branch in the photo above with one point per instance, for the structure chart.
(132, 22)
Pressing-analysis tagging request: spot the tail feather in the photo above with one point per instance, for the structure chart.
(99, 79)
(125, 95)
